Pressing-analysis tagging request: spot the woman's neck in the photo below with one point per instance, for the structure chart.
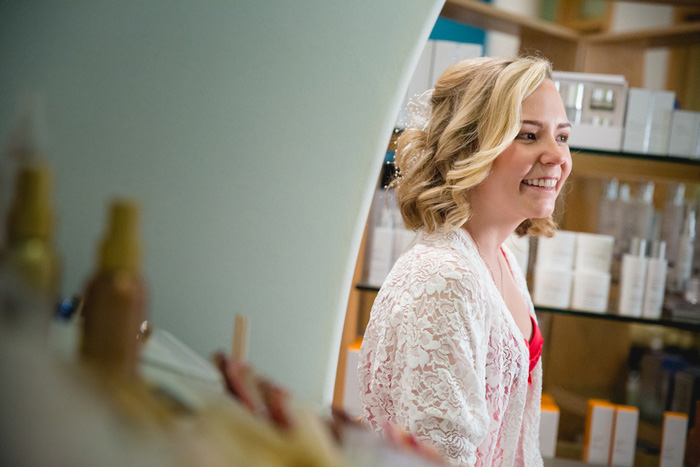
(489, 235)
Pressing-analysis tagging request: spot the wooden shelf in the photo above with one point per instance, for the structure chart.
(672, 36)
(484, 16)
(597, 164)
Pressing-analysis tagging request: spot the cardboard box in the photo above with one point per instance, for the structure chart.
(624, 440)
(598, 435)
(549, 426)
(675, 432)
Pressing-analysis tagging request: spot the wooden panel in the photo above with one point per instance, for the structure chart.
(586, 355)
(620, 59)
(484, 16)
(671, 36)
(349, 327)
(601, 166)
(563, 53)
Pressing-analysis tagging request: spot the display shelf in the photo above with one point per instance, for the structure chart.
(693, 326)
(639, 156)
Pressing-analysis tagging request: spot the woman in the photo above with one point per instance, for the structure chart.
(451, 352)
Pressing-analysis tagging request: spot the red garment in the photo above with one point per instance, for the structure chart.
(535, 346)
(536, 342)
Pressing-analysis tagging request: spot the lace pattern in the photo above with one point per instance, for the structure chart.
(443, 358)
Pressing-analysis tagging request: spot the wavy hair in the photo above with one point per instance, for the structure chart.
(475, 115)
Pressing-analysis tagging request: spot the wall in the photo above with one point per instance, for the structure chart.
(253, 134)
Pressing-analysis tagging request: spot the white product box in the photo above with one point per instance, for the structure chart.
(591, 291)
(624, 441)
(351, 389)
(557, 251)
(594, 252)
(685, 134)
(661, 118)
(598, 434)
(520, 247)
(637, 121)
(675, 432)
(549, 429)
(595, 106)
(552, 287)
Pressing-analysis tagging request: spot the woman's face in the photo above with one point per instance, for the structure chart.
(526, 178)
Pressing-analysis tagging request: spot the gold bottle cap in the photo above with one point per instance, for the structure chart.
(121, 246)
(30, 215)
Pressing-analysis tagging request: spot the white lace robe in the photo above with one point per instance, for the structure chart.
(443, 358)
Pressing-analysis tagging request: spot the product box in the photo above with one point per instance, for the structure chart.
(638, 121)
(598, 433)
(552, 287)
(549, 426)
(661, 118)
(594, 252)
(591, 291)
(351, 389)
(520, 247)
(685, 134)
(595, 106)
(557, 251)
(675, 431)
(624, 440)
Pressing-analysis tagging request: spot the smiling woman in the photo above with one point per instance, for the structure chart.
(451, 352)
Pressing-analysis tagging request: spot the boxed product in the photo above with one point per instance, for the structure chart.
(595, 106)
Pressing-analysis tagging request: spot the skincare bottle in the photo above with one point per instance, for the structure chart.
(621, 215)
(115, 298)
(656, 281)
(606, 209)
(686, 246)
(672, 221)
(633, 279)
(641, 216)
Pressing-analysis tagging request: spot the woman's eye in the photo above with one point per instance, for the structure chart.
(563, 138)
(529, 136)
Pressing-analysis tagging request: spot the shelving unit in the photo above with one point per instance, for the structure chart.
(604, 339)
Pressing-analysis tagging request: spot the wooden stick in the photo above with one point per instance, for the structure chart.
(240, 338)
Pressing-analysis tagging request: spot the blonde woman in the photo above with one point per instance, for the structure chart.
(452, 349)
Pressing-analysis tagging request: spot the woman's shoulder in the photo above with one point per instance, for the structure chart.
(436, 262)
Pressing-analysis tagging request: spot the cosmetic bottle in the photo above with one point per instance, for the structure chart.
(606, 209)
(622, 208)
(29, 232)
(641, 216)
(115, 298)
(633, 279)
(655, 282)
(672, 221)
(686, 247)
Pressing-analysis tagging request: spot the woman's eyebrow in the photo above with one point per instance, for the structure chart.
(539, 124)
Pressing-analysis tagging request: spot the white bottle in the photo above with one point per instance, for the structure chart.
(621, 224)
(606, 209)
(641, 216)
(672, 221)
(656, 281)
(633, 279)
(381, 251)
(686, 247)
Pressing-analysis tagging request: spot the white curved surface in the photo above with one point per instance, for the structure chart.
(253, 133)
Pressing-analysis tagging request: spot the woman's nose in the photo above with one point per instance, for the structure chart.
(554, 153)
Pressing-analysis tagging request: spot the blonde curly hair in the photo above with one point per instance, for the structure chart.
(475, 115)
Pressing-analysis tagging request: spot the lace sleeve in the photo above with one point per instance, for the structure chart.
(440, 356)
